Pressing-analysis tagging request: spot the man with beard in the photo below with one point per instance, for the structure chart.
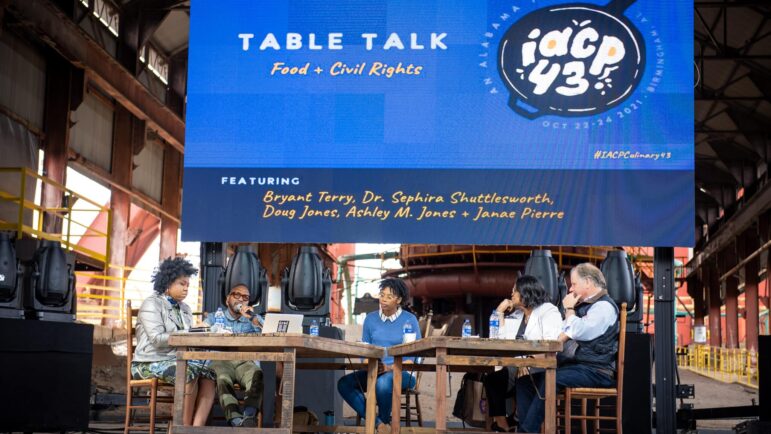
(239, 318)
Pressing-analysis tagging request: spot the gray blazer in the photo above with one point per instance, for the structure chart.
(155, 322)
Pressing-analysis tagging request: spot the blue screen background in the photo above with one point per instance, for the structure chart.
(240, 116)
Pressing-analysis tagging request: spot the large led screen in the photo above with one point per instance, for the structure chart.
(529, 122)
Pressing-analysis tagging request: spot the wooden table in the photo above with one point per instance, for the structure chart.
(283, 348)
(463, 354)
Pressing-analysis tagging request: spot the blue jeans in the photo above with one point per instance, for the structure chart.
(353, 385)
(530, 405)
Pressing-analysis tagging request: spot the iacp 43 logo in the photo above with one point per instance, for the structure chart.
(571, 59)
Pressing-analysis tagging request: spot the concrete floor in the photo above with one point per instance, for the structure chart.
(709, 393)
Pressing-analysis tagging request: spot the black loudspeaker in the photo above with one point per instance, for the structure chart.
(11, 280)
(245, 268)
(624, 286)
(306, 285)
(562, 288)
(45, 370)
(634, 319)
(638, 380)
(49, 280)
(619, 275)
(212, 274)
(541, 265)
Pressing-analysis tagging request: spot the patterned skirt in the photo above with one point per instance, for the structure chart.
(166, 370)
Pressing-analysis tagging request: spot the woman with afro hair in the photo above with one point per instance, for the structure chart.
(164, 313)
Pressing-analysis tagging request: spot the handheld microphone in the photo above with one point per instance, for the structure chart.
(249, 313)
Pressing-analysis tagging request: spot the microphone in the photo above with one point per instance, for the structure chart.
(249, 313)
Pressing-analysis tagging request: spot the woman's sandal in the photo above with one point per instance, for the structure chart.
(496, 428)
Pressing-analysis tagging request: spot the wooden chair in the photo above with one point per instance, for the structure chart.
(411, 403)
(152, 385)
(412, 394)
(586, 394)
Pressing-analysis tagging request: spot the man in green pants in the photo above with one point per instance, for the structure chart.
(239, 318)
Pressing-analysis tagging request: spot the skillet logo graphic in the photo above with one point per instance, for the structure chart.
(571, 60)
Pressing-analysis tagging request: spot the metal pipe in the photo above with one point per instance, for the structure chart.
(435, 267)
(491, 283)
(343, 275)
(745, 261)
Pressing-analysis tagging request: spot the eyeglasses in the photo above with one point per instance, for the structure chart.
(239, 296)
(387, 296)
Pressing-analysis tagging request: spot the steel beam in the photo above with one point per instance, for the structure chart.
(734, 226)
(664, 293)
(752, 307)
(55, 29)
(56, 144)
(727, 260)
(714, 303)
(120, 202)
(170, 201)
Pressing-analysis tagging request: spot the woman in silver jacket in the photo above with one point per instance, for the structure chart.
(161, 314)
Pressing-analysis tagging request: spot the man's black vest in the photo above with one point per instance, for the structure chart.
(600, 352)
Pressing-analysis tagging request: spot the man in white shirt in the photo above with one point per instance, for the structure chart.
(590, 335)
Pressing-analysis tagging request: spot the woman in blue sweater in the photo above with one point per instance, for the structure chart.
(384, 328)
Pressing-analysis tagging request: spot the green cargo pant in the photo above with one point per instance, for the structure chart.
(244, 373)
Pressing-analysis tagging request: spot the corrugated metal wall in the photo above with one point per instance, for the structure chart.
(22, 79)
(22, 93)
(148, 171)
(91, 136)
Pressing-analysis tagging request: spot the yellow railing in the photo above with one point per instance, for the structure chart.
(729, 365)
(73, 231)
(100, 298)
(104, 296)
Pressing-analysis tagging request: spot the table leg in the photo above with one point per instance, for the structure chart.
(396, 398)
(550, 415)
(441, 392)
(278, 395)
(179, 390)
(287, 388)
(371, 397)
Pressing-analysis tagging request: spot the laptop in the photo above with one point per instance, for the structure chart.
(282, 323)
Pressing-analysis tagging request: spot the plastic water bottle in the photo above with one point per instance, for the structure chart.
(219, 321)
(314, 330)
(494, 324)
(466, 329)
(409, 333)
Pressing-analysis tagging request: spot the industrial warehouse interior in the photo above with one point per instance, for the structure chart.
(336, 160)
